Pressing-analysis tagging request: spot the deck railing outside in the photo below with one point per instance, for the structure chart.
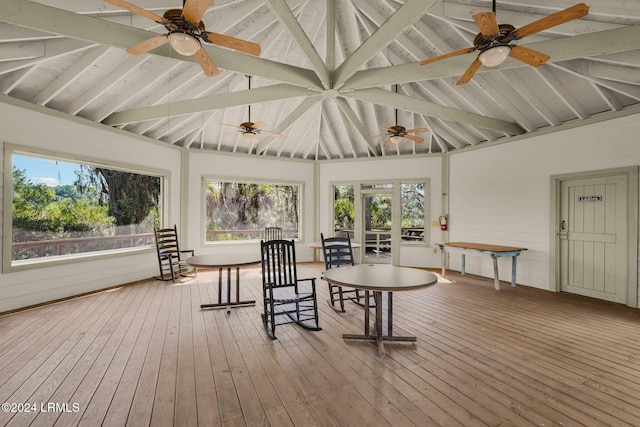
(80, 245)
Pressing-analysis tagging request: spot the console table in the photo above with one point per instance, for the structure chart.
(481, 249)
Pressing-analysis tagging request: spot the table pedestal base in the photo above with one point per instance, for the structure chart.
(379, 338)
(228, 304)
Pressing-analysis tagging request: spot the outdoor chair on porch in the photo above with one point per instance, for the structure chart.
(337, 251)
(170, 257)
(286, 298)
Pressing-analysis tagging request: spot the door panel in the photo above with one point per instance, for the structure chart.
(593, 237)
(377, 210)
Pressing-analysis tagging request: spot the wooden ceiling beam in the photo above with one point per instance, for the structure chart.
(406, 15)
(57, 21)
(407, 103)
(592, 44)
(293, 27)
(288, 121)
(357, 123)
(208, 103)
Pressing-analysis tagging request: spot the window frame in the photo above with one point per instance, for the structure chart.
(9, 265)
(215, 178)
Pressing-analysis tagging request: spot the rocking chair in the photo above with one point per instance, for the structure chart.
(285, 301)
(170, 256)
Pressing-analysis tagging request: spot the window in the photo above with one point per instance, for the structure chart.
(413, 217)
(240, 211)
(63, 208)
(343, 210)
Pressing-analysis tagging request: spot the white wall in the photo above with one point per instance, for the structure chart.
(501, 194)
(498, 194)
(210, 165)
(36, 128)
(381, 169)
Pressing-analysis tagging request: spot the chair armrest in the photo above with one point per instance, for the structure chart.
(313, 283)
(191, 251)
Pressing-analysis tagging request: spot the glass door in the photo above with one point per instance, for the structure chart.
(377, 220)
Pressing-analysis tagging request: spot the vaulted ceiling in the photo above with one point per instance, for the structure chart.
(331, 75)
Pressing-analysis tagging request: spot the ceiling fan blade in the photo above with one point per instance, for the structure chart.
(147, 45)
(530, 56)
(487, 23)
(475, 65)
(203, 58)
(194, 10)
(235, 126)
(569, 14)
(274, 134)
(415, 138)
(388, 142)
(447, 55)
(137, 10)
(232, 43)
(417, 130)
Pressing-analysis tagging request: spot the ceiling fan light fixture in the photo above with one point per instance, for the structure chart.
(249, 136)
(183, 43)
(396, 139)
(494, 56)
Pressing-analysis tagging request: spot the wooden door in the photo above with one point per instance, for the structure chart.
(593, 237)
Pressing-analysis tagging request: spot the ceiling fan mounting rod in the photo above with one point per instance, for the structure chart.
(396, 110)
(249, 105)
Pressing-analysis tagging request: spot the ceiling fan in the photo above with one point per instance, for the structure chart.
(397, 133)
(250, 130)
(494, 40)
(186, 30)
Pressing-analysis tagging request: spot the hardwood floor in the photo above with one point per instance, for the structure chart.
(145, 354)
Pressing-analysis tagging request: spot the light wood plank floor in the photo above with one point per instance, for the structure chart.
(145, 354)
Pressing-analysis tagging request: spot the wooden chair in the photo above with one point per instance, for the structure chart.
(272, 233)
(337, 251)
(287, 299)
(170, 256)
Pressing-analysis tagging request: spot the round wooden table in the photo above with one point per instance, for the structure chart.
(379, 278)
(228, 261)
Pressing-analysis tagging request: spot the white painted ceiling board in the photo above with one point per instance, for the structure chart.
(74, 61)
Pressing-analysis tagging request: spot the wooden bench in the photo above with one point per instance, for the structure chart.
(494, 251)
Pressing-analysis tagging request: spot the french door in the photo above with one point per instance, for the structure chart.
(377, 210)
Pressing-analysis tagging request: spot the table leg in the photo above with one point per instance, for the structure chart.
(443, 260)
(237, 284)
(379, 337)
(366, 312)
(513, 270)
(496, 278)
(228, 289)
(220, 285)
(377, 297)
(462, 265)
(229, 303)
(389, 313)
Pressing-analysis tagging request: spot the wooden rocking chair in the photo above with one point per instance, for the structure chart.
(170, 256)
